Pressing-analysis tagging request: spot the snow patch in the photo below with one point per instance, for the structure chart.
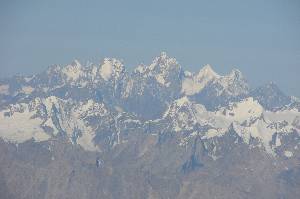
(288, 154)
(190, 87)
(19, 127)
(182, 101)
(160, 79)
(282, 115)
(213, 133)
(111, 67)
(106, 70)
(248, 109)
(86, 140)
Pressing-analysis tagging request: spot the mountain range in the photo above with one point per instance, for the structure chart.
(158, 131)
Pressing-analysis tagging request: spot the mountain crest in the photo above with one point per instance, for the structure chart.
(163, 61)
(270, 96)
(111, 67)
(207, 72)
(73, 71)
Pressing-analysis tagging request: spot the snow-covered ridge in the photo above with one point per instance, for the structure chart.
(82, 102)
(44, 118)
(162, 69)
(88, 74)
(247, 117)
(233, 83)
(193, 84)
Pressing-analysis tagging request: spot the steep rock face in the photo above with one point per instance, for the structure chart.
(157, 132)
(152, 87)
(270, 96)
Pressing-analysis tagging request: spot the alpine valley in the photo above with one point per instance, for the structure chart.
(100, 131)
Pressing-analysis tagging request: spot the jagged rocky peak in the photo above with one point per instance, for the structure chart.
(233, 84)
(180, 115)
(111, 67)
(207, 72)
(159, 64)
(108, 68)
(164, 59)
(164, 69)
(164, 62)
(73, 71)
(74, 116)
(193, 84)
(270, 96)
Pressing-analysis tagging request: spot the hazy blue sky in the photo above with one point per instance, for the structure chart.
(261, 38)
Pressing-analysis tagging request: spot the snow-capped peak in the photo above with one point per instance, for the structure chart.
(182, 101)
(73, 71)
(270, 96)
(164, 69)
(233, 84)
(207, 72)
(163, 61)
(194, 84)
(111, 67)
